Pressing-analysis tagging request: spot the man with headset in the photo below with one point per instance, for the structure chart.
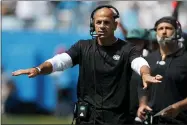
(105, 64)
(170, 60)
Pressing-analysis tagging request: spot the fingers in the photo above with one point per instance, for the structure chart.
(147, 79)
(19, 72)
(145, 85)
(31, 75)
(30, 72)
(158, 77)
(142, 113)
(142, 116)
(148, 108)
(155, 80)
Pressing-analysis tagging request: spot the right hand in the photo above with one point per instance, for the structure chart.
(32, 72)
(148, 79)
(141, 111)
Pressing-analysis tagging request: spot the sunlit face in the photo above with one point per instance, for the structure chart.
(104, 23)
(165, 30)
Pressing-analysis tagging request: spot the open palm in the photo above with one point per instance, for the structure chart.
(32, 72)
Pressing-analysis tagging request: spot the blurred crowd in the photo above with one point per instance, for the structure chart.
(68, 15)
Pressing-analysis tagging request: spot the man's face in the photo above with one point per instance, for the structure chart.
(104, 23)
(165, 30)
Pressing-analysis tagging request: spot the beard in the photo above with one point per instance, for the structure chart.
(165, 40)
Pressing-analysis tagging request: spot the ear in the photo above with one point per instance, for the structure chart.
(115, 25)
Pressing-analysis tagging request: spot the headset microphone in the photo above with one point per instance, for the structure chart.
(95, 35)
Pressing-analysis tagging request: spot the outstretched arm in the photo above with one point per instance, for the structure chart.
(59, 62)
(183, 104)
(176, 108)
(141, 66)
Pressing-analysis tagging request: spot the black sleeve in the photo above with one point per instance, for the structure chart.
(75, 53)
(134, 53)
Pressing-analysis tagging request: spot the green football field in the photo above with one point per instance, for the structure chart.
(35, 119)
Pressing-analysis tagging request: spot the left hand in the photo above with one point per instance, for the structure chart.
(141, 111)
(173, 111)
(147, 79)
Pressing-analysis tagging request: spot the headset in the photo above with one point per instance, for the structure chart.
(92, 27)
(178, 30)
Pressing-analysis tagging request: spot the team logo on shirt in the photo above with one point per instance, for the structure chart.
(161, 62)
(116, 57)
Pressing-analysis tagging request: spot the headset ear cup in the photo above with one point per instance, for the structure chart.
(177, 34)
(92, 28)
(179, 30)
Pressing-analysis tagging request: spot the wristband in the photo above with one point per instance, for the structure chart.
(39, 70)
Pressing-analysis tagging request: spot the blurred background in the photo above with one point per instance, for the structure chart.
(34, 31)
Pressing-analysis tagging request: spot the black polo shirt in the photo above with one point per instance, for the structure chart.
(112, 75)
(173, 87)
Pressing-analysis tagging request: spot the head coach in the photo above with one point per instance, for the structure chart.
(105, 67)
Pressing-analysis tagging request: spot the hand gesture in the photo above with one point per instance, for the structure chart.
(32, 72)
(141, 111)
(147, 79)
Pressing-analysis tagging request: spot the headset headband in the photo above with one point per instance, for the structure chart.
(106, 6)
